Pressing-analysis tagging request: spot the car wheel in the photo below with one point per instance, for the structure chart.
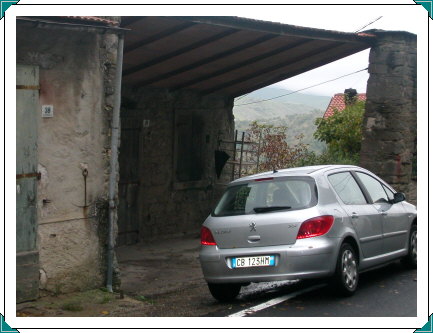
(411, 259)
(346, 275)
(224, 292)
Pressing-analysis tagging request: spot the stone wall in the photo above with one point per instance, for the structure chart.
(389, 131)
(168, 205)
(76, 77)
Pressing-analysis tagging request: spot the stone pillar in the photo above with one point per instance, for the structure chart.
(389, 129)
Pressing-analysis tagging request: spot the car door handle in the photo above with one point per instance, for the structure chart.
(383, 213)
(354, 215)
(253, 239)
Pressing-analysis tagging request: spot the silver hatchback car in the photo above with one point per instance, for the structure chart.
(312, 222)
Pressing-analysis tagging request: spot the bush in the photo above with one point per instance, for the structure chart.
(342, 132)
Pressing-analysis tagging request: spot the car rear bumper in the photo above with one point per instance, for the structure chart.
(307, 258)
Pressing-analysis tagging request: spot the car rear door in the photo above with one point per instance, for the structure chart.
(365, 218)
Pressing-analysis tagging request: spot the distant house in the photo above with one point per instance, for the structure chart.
(338, 102)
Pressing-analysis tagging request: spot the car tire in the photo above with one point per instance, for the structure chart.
(410, 260)
(224, 292)
(346, 276)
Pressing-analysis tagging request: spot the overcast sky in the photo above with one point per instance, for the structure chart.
(347, 19)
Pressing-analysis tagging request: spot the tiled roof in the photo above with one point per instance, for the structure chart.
(337, 103)
(94, 19)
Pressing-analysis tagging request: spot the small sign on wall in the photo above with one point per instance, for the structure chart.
(47, 111)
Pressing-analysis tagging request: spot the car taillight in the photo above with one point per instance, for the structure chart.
(206, 237)
(317, 226)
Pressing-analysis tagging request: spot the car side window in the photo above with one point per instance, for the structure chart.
(389, 193)
(374, 187)
(347, 188)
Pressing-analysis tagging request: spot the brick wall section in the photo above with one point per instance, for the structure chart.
(389, 133)
(167, 206)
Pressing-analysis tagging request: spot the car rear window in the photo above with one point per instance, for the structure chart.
(289, 193)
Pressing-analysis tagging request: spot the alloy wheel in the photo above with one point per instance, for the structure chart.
(349, 269)
(413, 245)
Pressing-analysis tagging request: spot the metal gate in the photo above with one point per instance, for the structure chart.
(27, 88)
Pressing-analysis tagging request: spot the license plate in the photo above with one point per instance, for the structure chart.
(256, 261)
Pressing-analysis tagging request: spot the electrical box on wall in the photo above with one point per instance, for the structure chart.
(47, 111)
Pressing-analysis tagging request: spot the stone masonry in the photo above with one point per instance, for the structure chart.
(389, 130)
(167, 205)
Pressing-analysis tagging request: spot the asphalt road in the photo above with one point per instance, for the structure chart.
(389, 291)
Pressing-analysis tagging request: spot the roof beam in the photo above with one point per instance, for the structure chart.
(206, 61)
(272, 68)
(158, 36)
(180, 51)
(128, 20)
(245, 63)
(278, 28)
(281, 77)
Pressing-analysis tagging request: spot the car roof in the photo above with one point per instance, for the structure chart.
(300, 171)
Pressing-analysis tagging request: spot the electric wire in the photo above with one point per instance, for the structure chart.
(365, 26)
(240, 97)
(293, 92)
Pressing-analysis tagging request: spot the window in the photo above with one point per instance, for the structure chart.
(389, 193)
(188, 146)
(290, 193)
(374, 187)
(347, 188)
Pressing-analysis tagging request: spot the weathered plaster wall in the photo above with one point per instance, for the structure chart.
(76, 77)
(389, 133)
(167, 206)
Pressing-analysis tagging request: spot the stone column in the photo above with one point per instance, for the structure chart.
(389, 129)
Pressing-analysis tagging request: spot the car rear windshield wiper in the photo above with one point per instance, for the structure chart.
(270, 209)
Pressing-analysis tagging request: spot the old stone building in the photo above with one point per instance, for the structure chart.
(76, 195)
(168, 182)
(63, 185)
(180, 77)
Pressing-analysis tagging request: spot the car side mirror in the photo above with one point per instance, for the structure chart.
(398, 197)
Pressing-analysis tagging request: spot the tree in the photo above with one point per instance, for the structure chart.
(271, 149)
(342, 131)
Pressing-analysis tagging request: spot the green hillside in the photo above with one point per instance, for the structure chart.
(268, 109)
(299, 118)
(314, 101)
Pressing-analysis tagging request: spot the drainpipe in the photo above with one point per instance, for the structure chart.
(114, 170)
